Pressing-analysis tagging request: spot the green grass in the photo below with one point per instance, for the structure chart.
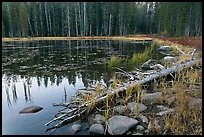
(138, 88)
(114, 61)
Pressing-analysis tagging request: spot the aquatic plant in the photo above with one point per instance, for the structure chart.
(114, 61)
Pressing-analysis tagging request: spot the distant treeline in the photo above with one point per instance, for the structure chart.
(23, 19)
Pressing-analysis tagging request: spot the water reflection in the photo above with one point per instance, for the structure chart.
(53, 61)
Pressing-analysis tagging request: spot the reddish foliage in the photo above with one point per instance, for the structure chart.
(195, 42)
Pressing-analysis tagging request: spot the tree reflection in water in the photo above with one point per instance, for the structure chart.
(53, 61)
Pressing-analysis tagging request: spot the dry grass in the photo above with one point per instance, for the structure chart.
(138, 38)
(185, 120)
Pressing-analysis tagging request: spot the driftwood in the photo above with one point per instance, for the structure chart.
(77, 109)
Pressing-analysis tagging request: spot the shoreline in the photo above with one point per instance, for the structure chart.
(137, 38)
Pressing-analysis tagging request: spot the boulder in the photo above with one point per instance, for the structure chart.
(118, 125)
(96, 129)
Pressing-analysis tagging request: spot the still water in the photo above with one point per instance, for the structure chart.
(45, 72)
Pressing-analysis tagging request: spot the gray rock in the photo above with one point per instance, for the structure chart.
(132, 107)
(76, 127)
(91, 119)
(139, 127)
(165, 112)
(118, 125)
(99, 119)
(96, 129)
(128, 133)
(194, 102)
(96, 119)
(151, 96)
(137, 133)
(30, 109)
(164, 48)
(162, 107)
(170, 59)
(119, 109)
(143, 118)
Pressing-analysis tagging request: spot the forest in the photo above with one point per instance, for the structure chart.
(31, 19)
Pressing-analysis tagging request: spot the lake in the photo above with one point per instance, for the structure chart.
(45, 72)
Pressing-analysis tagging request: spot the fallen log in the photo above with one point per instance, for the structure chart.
(82, 108)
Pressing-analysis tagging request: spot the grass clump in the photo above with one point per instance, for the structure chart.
(114, 61)
(187, 119)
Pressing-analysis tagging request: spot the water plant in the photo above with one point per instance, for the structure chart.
(114, 61)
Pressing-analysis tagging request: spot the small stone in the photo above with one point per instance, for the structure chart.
(151, 96)
(96, 129)
(99, 119)
(164, 48)
(143, 118)
(162, 107)
(132, 107)
(128, 133)
(165, 112)
(139, 127)
(170, 59)
(119, 109)
(76, 127)
(137, 133)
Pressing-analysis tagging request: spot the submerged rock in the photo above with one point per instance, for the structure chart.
(30, 109)
(118, 125)
(96, 129)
